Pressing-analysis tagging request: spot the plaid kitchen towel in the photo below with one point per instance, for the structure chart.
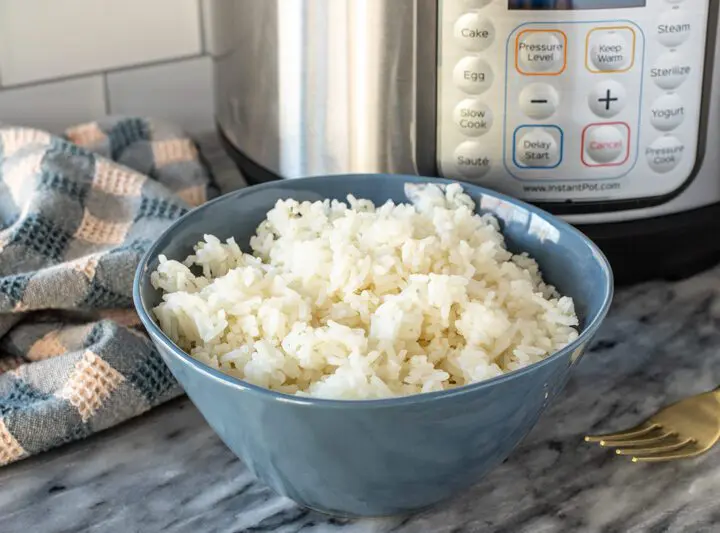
(76, 214)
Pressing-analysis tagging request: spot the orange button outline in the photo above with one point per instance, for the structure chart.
(517, 53)
(582, 144)
(606, 28)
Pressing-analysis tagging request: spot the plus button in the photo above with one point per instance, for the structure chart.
(607, 100)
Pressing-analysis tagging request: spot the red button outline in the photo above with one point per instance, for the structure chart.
(582, 144)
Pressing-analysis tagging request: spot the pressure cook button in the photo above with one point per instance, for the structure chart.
(670, 70)
(473, 75)
(611, 50)
(673, 27)
(665, 154)
(472, 160)
(607, 98)
(539, 100)
(541, 52)
(537, 148)
(667, 112)
(473, 117)
(604, 144)
(473, 32)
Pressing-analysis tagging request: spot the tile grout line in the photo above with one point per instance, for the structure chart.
(89, 74)
(201, 21)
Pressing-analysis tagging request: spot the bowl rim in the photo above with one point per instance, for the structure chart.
(158, 336)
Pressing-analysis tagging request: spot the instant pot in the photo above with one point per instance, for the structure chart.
(605, 112)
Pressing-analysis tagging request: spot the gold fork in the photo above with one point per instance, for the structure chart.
(685, 429)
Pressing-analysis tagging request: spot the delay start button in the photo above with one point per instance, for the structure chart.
(536, 147)
(664, 154)
(473, 117)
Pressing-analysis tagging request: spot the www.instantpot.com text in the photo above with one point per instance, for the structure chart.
(572, 187)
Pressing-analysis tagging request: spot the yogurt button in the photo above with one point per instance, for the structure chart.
(472, 160)
(673, 27)
(665, 154)
(670, 70)
(537, 148)
(611, 51)
(473, 32)
(667, 112)
(541, 51)
(473, 117)
(607, 98)
(539, 100)
(473, 75)
(605, 143)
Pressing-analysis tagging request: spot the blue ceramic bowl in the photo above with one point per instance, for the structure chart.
(379, 457)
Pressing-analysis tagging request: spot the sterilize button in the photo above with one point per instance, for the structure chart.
(539, 100)
(537, 148)
(665, 154)
(472, 160)
(607, 98)
(670, 70)
(473, 32)
(473, 75)
(473, 117)
(673, 27)
(667, 112)
(605, 143)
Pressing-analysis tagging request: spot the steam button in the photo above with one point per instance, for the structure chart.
(673, 27)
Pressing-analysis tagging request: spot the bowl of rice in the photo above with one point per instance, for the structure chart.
(369, 345)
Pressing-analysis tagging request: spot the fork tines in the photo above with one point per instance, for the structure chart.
(648, 442)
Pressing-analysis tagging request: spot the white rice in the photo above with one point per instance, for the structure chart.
(354, 301)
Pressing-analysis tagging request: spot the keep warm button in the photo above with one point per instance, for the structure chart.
(538, 147)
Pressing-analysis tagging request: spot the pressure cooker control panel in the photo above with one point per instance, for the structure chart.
(547, 102)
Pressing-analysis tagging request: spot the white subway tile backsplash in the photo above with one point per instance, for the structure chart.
(45, 39)
(180, 91)
(54, 106)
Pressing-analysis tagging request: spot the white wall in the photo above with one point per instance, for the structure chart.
(69, 61)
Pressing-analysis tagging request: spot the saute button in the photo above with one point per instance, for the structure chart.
(472, 160)
(473, 117)
(474, 32)
(604, 143)
(664, 154)
(667, 112)
(673, 27)
(670, 70)
(537, 148)
(473, 75)
(607, 98)
(611, 51)
(541, 52)
(539, 100)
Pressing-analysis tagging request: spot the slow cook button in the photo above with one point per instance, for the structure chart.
(673, 27)
(667, 112)
(665, 154)
(473, 32)
(473, 75)
(536, 148)
(472, 160)
(473, 117)
(604, 144)
(670, 70)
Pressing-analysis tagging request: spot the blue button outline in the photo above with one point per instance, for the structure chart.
(539, 126)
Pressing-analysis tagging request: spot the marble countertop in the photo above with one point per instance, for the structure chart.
(167, 471)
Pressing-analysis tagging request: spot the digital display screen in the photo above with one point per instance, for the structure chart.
(569, 5)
